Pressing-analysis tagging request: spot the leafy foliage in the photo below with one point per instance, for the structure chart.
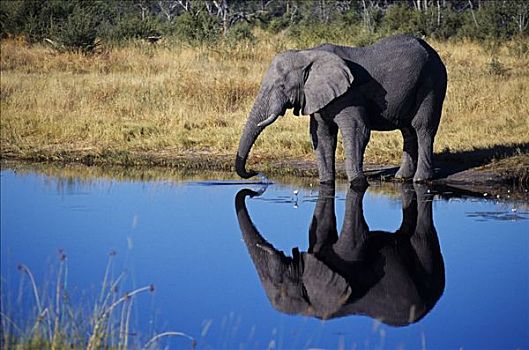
(197, 28)
(495, 67)
(240, 32)
(78, 24)
(79, 31)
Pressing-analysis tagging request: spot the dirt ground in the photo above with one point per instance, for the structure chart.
(505, 178)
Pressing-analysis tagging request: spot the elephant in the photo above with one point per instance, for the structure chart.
(397, 83)
(396, 278)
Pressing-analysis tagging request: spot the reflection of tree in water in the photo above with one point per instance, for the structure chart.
(136, 173)
(394, 277)
(69, 178)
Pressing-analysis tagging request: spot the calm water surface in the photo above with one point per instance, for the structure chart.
(292, 268)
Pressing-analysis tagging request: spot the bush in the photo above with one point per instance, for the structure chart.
(495, 67)
(278, 24)
(197, 28)
(450, 24)
(401, 18)
(241, 32)
(398, 19)
(494, 22)
(351, 18)
(519, 47)
(34, 19)
(133, 27)
(309, 33)
(79, 31)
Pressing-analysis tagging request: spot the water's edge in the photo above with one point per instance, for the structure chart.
(472, 184)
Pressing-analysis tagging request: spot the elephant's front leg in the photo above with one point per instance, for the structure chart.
(324, 134)
(426, 242)
(352, 244)
(355, 134)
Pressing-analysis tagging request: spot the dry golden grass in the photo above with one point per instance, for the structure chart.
(170, 100)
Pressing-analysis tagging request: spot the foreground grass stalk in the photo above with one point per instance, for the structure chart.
(59, 325)
(127, 296)
(103, 292)
(107, 290)
(44, 314)
(28, 272)
(128, 308)
(100, 322)
(157, 337)
(58, 305)
(7, 319)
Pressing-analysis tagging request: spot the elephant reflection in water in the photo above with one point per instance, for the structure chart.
(394, 277)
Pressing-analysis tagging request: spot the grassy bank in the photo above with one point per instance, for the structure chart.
(168, 105)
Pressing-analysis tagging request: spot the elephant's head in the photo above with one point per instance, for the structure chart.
(304, 80)
(297, 284)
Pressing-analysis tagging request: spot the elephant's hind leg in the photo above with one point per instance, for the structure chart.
(425, 124)
(408, 164)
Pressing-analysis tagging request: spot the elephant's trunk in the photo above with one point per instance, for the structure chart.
(246, 142)
(281, 276)
(256, 123)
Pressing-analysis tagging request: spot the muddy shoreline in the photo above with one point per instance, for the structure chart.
(493, 179)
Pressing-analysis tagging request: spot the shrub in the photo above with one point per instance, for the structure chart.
(401, 18)
(278, 24)
(79, 31)
(492, 22)
(197, 28)
(34, 19)
(398, 18)
(450, 24)
(519, 47)
(134, 27)
(495, 67)
(241, 32)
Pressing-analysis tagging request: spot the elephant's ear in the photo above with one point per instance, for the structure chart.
(327, 290)
(327, 77)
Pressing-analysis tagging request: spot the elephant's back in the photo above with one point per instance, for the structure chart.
(395, 61)
(391, 75)
(403, 66)
(402, 58)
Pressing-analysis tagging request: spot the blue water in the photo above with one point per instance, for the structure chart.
(185, 239)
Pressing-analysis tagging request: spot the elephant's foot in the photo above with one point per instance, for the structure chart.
(422, 191)
(405, 172)
(422, 176)
(359, 182)
(407, 193)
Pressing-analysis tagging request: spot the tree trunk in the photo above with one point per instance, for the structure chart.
(438, 13)
(222, 11)
(472, 12)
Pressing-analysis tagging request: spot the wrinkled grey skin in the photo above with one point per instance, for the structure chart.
(393, 277)
(397, 83)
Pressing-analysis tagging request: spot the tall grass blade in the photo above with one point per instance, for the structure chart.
(157, 337)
